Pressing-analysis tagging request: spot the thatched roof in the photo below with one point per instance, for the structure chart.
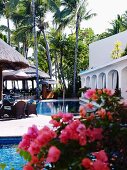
(10, 58)
(31, 71)
(28, 73)
(15, 75)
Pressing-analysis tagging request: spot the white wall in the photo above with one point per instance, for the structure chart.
(100, 51)
(120, 66)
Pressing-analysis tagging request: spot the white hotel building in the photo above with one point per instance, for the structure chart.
(104, 71)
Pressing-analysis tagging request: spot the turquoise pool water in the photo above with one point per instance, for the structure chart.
(53, 107)
(8, 153)
(10, 157)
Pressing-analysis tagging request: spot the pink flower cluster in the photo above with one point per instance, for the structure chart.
(34, 140)
(103, 114)
(99, 164)
(78, 131)
(94, 94)
(60, 118)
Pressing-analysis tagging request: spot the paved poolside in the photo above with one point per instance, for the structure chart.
(18, 127)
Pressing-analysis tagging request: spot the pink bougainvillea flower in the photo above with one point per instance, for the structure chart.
(33, 131)
(34, 148)
(28, 137)
(55, 123)
(89, 93)
(82, 111)
(28, 167)
(89, 106)
(70, 132)
(94, 97)
(108, 92)
(81, 128)
(94, 134)
(101, 155)
(99, 91)
(57, 116)
(53, 154)
(109, 116)
(91, 117)
(86, 163)
(45, 135)
(101, 113)
(24, 144)
(99, 165)
(67, 117)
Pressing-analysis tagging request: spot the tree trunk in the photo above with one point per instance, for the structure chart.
(75, 59)
(56, 67)
(1, 84)
(61, 68)
(8, 37)
(35, 49)
(48, 54)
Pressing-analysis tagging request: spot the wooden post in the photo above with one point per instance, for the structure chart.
(1, 84)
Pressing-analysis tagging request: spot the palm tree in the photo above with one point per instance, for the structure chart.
(81, 14)
(124, 23)
(42, 25)
(117, 25)
(73, 10)
(6, 7)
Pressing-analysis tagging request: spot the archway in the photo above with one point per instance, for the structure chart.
(102, 81)
(124, 82)
(113, 77)
(94, 82)
(87, 81)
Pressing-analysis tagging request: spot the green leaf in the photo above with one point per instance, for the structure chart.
(26, 155)
(2, 166)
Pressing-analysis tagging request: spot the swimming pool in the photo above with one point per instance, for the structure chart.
(8, 153)
(49, 107)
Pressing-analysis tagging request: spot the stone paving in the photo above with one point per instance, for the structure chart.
(18, 127)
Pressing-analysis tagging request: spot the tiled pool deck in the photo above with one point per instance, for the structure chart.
(18, 127)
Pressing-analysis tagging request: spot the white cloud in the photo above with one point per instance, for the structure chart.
(107, 11)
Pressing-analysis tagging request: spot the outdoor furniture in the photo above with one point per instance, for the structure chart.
(7, 109)
(31, 109)
(19, 109)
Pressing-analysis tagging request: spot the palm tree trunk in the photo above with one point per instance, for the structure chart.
(57, 73)
(48, 54)
(61, 68)
(1, 84)
(8, 25)
(75, 59)
(35, 49)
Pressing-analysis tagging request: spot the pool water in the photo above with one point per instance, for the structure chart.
(10, 157)
(53, 107)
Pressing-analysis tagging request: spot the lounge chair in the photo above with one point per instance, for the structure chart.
(7, 109)
(19, 109)
(31, 109)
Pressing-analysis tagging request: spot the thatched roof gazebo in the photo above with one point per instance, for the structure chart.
(31, 71)
(10, 59)
(15, 75)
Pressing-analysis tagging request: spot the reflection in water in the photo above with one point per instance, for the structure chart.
(49, 108)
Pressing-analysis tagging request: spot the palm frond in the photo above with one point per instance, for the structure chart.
(13, 3)
(53, 6)
(4, 28)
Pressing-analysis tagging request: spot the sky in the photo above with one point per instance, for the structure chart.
(106, 10)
